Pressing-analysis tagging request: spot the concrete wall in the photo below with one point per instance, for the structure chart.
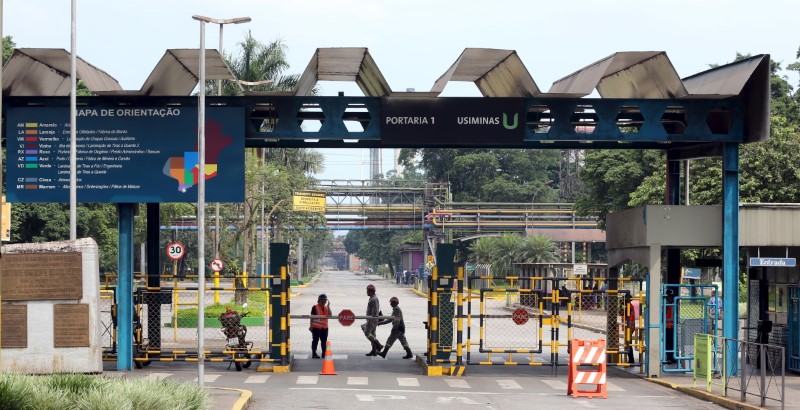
(41, 357)
(682, 226)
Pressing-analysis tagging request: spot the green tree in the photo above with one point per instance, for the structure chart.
(8, 48)
(490, 175)
(503, 251)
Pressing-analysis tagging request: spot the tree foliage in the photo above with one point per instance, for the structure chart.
(490, 175)
(503, 251)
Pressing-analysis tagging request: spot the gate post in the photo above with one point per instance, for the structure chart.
(279, 302)
(444, 274)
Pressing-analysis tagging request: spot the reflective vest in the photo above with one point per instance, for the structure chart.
(670, 320)
(320, 323)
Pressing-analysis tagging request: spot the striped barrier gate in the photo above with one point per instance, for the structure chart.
(587, 366)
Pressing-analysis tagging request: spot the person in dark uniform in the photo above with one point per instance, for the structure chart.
(373, 309)
(319, 327)
(398, 329)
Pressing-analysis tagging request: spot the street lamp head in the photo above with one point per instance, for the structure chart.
(235, 20)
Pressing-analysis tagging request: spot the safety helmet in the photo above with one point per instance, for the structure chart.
(322, 296)
(394, 299)
(371, 287)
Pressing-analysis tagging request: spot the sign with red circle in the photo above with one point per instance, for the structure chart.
(217, 265)
(347, 317)
(520, 316)
(175, 251)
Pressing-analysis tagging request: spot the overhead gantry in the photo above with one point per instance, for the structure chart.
(643, 104)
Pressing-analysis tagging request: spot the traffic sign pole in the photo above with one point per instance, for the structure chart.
(216, 266)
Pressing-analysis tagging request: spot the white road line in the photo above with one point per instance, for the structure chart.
(339, 357)
(449, 400)
(457, 383)
(301, 357)
(307, 379)
(585, 403)
(158, 376)
(613, 387)
(358, 381)
(257, 379)
(555, 384)
(508, 384)
(375, 397)
(408, 381)
(209, 378)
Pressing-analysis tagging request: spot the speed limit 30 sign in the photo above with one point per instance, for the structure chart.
(175, 251)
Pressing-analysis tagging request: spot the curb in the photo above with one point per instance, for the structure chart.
(244, 397)
(700, 394)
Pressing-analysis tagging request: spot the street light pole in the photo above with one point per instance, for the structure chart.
(73, 147)
(201, 190)
(216, 205)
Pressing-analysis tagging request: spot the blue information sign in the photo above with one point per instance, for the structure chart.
(776, 262)
(124, 154)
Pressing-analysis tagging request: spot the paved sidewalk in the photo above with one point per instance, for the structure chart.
(683, 382)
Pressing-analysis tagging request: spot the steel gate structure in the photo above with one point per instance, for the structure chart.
(527, 321)
(686, 311)
(172, 336)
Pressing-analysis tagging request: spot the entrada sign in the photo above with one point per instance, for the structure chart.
(775, 262)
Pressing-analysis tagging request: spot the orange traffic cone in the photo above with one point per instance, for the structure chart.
(327, 364)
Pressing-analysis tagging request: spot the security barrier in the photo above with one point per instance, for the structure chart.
(686, 311)
(587, 366)
(512, 320)
(165, 321)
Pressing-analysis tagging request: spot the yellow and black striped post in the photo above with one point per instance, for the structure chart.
(279, 302)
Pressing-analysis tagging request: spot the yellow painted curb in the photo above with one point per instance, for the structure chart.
(434, 371)
(244, 397)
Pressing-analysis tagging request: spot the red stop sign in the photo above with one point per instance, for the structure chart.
(347, 317)
(519, 317)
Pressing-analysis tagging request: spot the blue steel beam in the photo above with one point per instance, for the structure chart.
(124, 291)
(730, 248)
(278, 121)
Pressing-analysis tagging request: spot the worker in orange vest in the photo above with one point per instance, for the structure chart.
(319, 326)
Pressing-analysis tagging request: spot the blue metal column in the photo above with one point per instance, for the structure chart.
(124, 291)
(730, 246)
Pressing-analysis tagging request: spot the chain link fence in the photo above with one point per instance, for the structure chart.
(501, 329)
(166, 321)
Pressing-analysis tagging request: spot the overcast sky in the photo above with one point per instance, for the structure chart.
(414, 42)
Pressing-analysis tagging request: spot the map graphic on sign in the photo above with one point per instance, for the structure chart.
(186, 169)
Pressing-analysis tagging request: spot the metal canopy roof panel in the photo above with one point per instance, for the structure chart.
(45, 72)
(344, 64)
(748, 78)
(177, 73)
(497, 73)
(639, 74)
(726, 81)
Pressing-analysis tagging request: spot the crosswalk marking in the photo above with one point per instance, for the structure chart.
(301, 357)
(257, 379)
(158, 376)
(408, 381)
(457, 383)
(613, 387)
(307, 379)
(508, 384)
(339, 357)
(555, 384)
(209, 378)
(360, 381)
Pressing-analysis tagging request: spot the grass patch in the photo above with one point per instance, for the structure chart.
(79, 391)
(218, 309)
